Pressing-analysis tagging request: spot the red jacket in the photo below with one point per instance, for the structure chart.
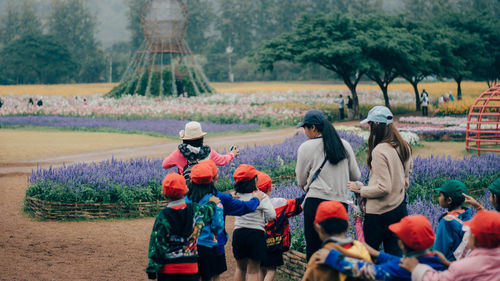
(278, 237)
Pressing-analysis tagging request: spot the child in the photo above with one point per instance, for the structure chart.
(331, 223)
(415, 239)
(172, 246)
(481, 264)
(249, 246)
(277, 231)
(201, 188)
(494, 189)
(449, 232)
(232, 207)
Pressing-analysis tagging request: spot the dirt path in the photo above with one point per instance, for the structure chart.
(87, 250)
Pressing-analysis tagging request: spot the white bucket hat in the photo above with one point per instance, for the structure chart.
(192, 131)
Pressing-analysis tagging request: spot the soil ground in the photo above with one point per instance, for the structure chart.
(93, 250)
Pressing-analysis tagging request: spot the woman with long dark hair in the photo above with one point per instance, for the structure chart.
(390, 162)
(325, 163)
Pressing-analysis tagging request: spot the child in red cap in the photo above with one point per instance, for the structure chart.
(201, 188)
(415, 240)
(483, 263)
(172, 247)
(212, 260)
(277, 231)
(331, 223)
(249, 245)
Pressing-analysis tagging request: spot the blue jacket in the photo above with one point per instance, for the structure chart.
(209, 231)
(386, 269)
(449, 232)
(233, 207)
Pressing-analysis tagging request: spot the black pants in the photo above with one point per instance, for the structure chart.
(376, 229)
(313, 243)
(341, 113)
(425, 110)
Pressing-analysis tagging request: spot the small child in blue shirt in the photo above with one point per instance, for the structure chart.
(449, 232)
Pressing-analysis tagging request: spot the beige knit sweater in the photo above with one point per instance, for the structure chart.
(388, 180)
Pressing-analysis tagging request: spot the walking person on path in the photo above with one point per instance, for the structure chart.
(192, 150)
(340, 102)
(390, 162)
(325, 163)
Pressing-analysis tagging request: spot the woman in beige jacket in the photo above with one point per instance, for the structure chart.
(390, 162)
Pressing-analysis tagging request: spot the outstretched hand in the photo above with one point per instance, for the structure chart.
(442, 258)
(409, 263)
(473, 202)
(374, 253)
(235, 151)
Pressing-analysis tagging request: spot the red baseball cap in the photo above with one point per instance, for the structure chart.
(212, 165)
(264, 182)
(330, 209)
(415, 232)
(202, 173)
(244, 172)
(174, 186)
(485, 226)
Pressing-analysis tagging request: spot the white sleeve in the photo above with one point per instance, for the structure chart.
(267, 207)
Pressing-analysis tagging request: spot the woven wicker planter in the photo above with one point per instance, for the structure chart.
(294, 265)
(73, 211)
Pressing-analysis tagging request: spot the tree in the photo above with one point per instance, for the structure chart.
(201, 16)
(36, 59)
(71, 22)
(387, 47)
(18, 21)
(135, 8)
(467, 52)
(332, 41)
(423, 60)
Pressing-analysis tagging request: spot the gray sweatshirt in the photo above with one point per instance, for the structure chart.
(331, 183)
(260, 217)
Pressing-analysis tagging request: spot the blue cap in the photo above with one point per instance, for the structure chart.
(379, 114)
(312, 117)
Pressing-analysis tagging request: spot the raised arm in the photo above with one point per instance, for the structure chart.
(221, 160)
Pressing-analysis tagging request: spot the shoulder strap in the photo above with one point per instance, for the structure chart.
(316, 174)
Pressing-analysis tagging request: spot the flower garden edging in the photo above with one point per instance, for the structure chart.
(77, 211)
(294, 266)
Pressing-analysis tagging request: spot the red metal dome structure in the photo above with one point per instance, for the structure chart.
(483, 122)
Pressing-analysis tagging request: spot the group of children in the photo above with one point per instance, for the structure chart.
(188, 237)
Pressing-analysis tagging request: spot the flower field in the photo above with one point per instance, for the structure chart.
(164, 127)
(263, 108)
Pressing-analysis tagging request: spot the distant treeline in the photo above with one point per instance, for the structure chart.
(61, 46)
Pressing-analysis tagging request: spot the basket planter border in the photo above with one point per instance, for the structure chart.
(294, 265)
(74, 211)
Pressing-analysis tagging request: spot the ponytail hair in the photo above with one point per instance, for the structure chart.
(332, 144)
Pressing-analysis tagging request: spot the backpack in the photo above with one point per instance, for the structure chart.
(192, 158)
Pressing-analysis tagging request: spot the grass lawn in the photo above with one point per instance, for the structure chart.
(22, 145)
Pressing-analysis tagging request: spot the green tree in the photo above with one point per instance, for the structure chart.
(135, 8)
(424, 57)
(387, 47)
(19, 19)
(467, 52)
(71, 22)
(36, 59)
(201, 18)
(332, 41)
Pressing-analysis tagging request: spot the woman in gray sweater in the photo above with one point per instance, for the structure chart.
(325, 163)
(390, 163)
